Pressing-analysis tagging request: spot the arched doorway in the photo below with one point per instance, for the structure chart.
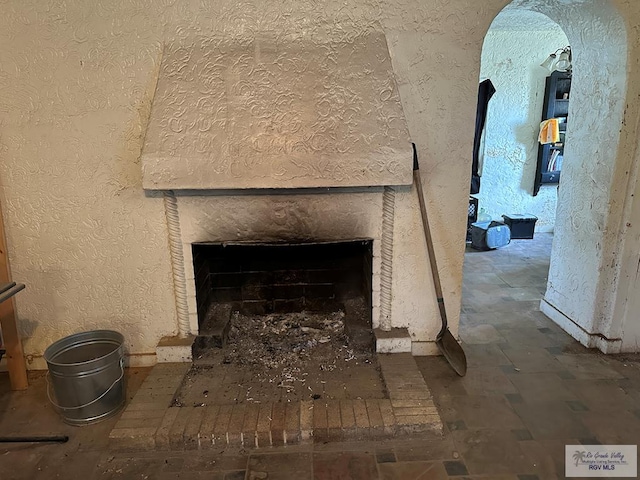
(585, 259)
(514, 47)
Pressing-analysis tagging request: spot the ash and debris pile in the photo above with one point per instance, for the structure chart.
(286, 341)
(281, 357)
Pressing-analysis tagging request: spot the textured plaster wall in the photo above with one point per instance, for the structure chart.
(623, 321)
(511, 58)
(76, 79)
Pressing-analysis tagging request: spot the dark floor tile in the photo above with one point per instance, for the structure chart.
(514, 397)
(590, 441)
(388, 457)
(524, 335)
(555, 350)
(614, 427)
(564, 375)
(173, 464)
(348, 466)
(552, 420)
(411, 471)
(455, 468)
(481, 411)
(545, 330)
(54, 466)
(202, 463)
(626, 383)
(629, 368)
(543, 458)
(127, 467)
(533, 359)
(456, 425)
(283, 466)
(490, 452)
(182, 476)
(19, 464)
(589, 366)
(488, 355)
(509, 369)
(634, 391)
(239, 475)
(528, 477)
(601, 395)
(542, 387)
(522, 434)
(206, 463)
(487, 381)
(428, 450)
(577, 406)
(480, 335)
(569, 345)
(636, 413)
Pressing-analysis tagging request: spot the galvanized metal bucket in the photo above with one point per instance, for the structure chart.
(87, 375)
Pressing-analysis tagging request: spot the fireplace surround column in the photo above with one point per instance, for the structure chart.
(177, 262)
(386, 267)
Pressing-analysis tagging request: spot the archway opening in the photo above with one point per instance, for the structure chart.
(582, 255)
(514, 47)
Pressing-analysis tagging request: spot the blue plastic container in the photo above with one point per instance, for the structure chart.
(489, 235)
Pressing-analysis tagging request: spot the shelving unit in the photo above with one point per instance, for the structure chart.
(556, 105)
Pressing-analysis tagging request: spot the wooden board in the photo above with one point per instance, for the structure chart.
(8, 324)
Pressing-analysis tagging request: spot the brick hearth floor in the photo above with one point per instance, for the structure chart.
(148, 422)
(530, 390)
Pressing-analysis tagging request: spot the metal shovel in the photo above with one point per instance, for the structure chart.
(445, 340)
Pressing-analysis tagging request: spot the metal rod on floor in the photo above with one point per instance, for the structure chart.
(36, 439)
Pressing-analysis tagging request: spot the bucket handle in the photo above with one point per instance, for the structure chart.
(92, 401)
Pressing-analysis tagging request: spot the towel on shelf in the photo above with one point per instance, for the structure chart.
(549, 131)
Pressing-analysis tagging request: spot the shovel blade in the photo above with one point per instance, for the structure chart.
(453, 352)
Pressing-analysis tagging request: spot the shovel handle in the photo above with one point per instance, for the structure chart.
(417, 180)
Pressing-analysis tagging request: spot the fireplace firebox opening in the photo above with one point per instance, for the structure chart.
(266, 278)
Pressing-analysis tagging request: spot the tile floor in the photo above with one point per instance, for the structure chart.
(529, 391)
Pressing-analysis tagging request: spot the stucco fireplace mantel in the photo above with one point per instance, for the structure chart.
(261, 113)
